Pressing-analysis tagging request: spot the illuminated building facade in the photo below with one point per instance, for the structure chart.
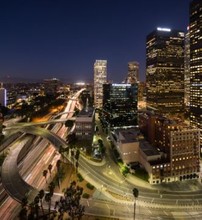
(120, 104)
(100, 77)
(165, 70)
(3, 96)
(187, 70)
(133, 72)
(196, 63)
(84, 124)
(178, 144)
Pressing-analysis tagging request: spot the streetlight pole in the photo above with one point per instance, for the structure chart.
(135, 194)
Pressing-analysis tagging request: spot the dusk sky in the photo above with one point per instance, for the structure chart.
(63, 38)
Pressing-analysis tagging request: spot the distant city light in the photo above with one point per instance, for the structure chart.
(121, 84)
(164, 29)
(181, 34)
(80, 83)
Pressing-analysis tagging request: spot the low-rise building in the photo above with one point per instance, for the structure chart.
(84, 124)
(127, 144)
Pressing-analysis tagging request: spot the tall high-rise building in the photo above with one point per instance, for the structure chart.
(195, 28)
(3, 96)
(100, 77)
(133, 72)
(120, 104)
(187, 70)
(165, 70)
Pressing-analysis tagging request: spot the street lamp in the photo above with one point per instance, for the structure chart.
(135, 194)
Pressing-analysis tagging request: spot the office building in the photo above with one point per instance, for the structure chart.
(195, 28)
(120, 104)
(3, 96)
(133, 72)
(84, 124)
(178, 145)
(187, 70)
(165, 71)
(100, 77)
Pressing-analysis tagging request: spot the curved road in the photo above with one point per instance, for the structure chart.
(12, 181)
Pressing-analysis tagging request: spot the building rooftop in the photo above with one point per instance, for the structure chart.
(148, 149)
(86, 112)
(129, 135)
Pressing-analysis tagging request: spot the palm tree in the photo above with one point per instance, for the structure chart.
(41, 196)
(77, 154)
(77, 165)
(51, 188)
(135, 194)
(23, 214)
(32, 211)
(24, 201)
(48, 199)
(36, 206)
(58, 164)
(45, 172)
(56, 204)
(50, 166)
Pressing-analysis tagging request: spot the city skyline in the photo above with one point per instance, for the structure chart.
(48, 39)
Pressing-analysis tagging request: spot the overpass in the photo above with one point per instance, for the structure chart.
(63, 113)
(28, 124)
(12, 181)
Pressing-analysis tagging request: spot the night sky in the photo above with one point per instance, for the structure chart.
(54, 38)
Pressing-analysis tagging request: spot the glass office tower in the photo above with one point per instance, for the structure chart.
(195, 28)
(120, 104)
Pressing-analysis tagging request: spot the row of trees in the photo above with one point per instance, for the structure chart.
(69, 203)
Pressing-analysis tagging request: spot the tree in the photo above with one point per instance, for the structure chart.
(77, 154)
(69, 123)
(23, 212)
(24, 201)
(36, 206)
(70, 202)
(48, 200)
(58, 165)
(135, 194)
(51, 187)
(45, 172)
(50, 166)
(41, 196)
(77, 165)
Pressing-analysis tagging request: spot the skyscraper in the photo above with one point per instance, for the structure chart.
(120, 104)
(187, 70)
(3, 96)
(165, 70)
(196, 63)
(100, 77)
(133, 72)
